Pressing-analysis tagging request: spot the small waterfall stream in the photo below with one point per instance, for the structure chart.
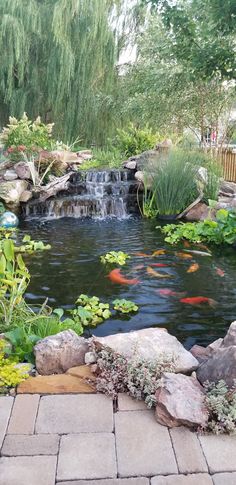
(99, 193)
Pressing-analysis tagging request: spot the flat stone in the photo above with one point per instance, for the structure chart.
(81, 371)
(199, 479)
(220, 452)
(87, 456)
(28, 470)
(58, 353)
(180, 401)
(224, 479)
(188, 451)
(110, 481)
(150, 344)
(6, 403)
(143, 446)
(221, 365)
(55, 384)
(17, 445)
(127, 403)
(23, 415)
(75, 414)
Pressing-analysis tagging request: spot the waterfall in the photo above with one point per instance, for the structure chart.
(97, 194)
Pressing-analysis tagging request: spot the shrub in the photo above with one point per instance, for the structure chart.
(137, 377)
(103, 158)
(132, 140)
(10, 374)
(221, 404)
(25, 135)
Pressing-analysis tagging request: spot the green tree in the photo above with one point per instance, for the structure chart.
(58, 60)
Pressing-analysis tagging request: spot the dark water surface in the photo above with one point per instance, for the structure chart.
(73, 266)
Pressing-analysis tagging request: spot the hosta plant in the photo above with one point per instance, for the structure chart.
(115, 257)
(125, 306)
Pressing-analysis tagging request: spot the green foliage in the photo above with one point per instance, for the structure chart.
(221, 231)
(211, 190)
(27, 136)
(90, 311)
(115, 257)
(221, 405)
(2, 208)
(133, 140)
(125, 306)
(10, 374)
(103, 158)
(174, 184)
(22, 344)
(139, 378)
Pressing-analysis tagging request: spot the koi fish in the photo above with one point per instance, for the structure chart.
(186, 244)
(116, 277)
(197, 300)
(183, 255)
(165, 292)
(220, 272)
(159, 252)
(143, 255)
(202, 246)
(199, 253)
(139, 266)
(159, 265)
(194, 267)
(152, 272)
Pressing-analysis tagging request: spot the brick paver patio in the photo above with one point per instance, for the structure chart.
(87, 439)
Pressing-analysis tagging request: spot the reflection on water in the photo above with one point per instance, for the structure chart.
(72, 266)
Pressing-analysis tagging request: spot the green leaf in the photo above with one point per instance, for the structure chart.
(8, 249)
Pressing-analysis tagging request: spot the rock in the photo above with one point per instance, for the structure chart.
(150, 344)
(200, 353)
(85, 154)
(90, 358)
(10, 175)
(214, 345)
(180, 401)
(81, 371)
(139, 176)
(221, 365)
(57, 353)
(200, 212)
(10, 192)
(130, 164)
(25, 196)
(64, 156)
(228, 188)
(55, 384)
(23, 171)
(230, 338)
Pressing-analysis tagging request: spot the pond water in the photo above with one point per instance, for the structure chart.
(73, 266)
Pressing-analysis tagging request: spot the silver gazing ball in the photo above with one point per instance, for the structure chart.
(9, 220)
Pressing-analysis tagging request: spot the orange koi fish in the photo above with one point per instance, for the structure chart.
(194, 267)
(197, 300)
(143, 255)
(183, 255)
(165, 292)
(116, 277)
(186, 244)
(152, 272)
(159, 252)
(220, 272)
(159, 265)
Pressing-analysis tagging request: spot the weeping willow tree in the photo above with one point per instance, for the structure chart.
(58, 59)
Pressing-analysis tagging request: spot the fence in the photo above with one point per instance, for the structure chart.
(227, 160)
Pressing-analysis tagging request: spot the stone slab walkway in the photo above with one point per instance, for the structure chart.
(85, 440)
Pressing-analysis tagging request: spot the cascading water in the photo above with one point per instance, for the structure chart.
(97, 193)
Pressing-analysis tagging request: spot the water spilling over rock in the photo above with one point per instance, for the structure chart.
(99, 193)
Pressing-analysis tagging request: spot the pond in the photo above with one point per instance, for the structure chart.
(73, 266)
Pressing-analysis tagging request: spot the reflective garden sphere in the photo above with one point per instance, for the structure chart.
(8, 220)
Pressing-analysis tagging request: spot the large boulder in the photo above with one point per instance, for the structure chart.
(200, 212)
(57, 353)
(220, 366)
(10, 192)
(180, 401)
(150, 344)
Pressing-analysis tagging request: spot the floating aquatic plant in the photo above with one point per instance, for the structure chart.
(116, 257)
(125, 306)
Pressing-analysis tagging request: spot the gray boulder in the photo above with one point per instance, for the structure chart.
(230, 338)
(221, 365)
(58, 353)
(150, 344)
(180, 401)
(11, 191)
(23, 171)
(10, 175)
